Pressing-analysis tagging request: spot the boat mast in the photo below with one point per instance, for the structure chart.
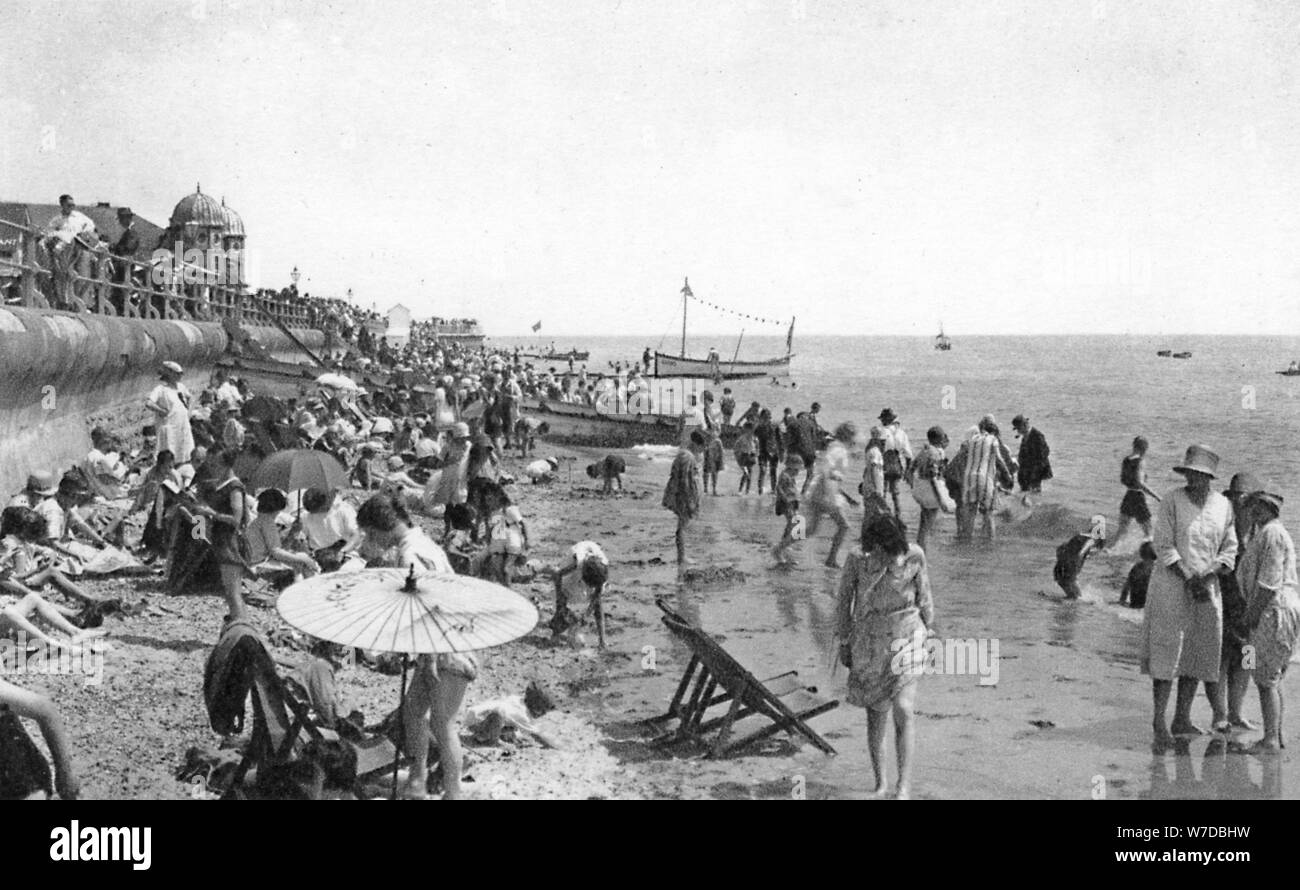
(686, 292)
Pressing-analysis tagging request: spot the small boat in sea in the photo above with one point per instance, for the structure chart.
(714, 367)
(1164, 353)
(1292, 370)
(1181, 355)
(942, 342)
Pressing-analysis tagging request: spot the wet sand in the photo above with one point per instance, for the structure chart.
(1068, 718)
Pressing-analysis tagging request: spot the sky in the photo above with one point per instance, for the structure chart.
(1038, 167)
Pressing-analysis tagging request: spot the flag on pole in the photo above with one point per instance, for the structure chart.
(537, 327)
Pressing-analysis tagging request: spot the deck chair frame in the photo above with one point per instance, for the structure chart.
(295, 703)
(712, 666)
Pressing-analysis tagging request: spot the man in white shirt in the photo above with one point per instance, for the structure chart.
(897, 453)
(692, 418)
(329, 521)
(68, 223)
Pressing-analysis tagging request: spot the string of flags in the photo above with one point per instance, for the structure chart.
(727, 311)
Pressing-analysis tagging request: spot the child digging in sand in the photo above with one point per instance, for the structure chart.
(787, 505)
(586, 562)
(1071, 556)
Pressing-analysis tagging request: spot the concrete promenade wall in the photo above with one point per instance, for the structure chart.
(59, 368)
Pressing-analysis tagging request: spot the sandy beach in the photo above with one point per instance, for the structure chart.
(1068, 717)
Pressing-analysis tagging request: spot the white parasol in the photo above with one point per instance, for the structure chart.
(391, 610)
(374, 609)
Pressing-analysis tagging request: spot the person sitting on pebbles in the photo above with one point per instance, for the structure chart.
(610, 470)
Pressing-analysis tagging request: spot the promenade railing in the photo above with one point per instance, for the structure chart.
(46, 272)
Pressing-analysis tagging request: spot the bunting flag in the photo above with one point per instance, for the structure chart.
(726, 311)
(537, 327)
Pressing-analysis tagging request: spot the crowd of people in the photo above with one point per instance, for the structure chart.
(1216, 573)
(187, 489)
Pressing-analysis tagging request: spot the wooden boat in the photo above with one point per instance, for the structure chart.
(571, 355)
(1181, 355)
(1164, 353)
(714, 367)
(1289, 372)
(942, 342)
(677, 366)
(584, 425)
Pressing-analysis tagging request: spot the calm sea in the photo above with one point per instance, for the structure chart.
(1089, 395)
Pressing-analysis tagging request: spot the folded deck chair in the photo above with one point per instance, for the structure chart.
(780, 703)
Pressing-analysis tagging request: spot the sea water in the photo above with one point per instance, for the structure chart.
(1090, 396)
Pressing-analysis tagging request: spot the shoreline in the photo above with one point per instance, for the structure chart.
(1069, 705)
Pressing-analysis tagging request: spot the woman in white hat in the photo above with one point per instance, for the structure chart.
(170, 404)
(1182, 630)
(1267, 578)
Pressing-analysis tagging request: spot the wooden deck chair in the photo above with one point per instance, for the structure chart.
(780, 703)
(281, 715)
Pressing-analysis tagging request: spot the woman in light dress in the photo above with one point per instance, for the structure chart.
(1267, 578)
(882, 618)
(1195, 541)
(439, 682)
(170, 404)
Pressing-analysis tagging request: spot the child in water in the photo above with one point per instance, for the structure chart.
(1071, 556)
(746, 455)
(787, 505)
(1134, 594)
(712, 461)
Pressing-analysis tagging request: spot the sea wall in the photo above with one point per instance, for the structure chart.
(60, 369)
(281, 348)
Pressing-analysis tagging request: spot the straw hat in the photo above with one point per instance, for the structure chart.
(1199, 459)
(42, 483)
(888, 416)
(173, 367)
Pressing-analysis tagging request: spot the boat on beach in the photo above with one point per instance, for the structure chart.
(714, 367)
(573, 355)
(943, 343)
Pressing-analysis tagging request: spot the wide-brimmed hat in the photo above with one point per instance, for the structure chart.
(173, 367)
(554, 462)
(1199, 459)
(42, 483)
(1242, 484)
(888, 416)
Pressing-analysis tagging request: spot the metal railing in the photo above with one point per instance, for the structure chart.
(75, 276)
